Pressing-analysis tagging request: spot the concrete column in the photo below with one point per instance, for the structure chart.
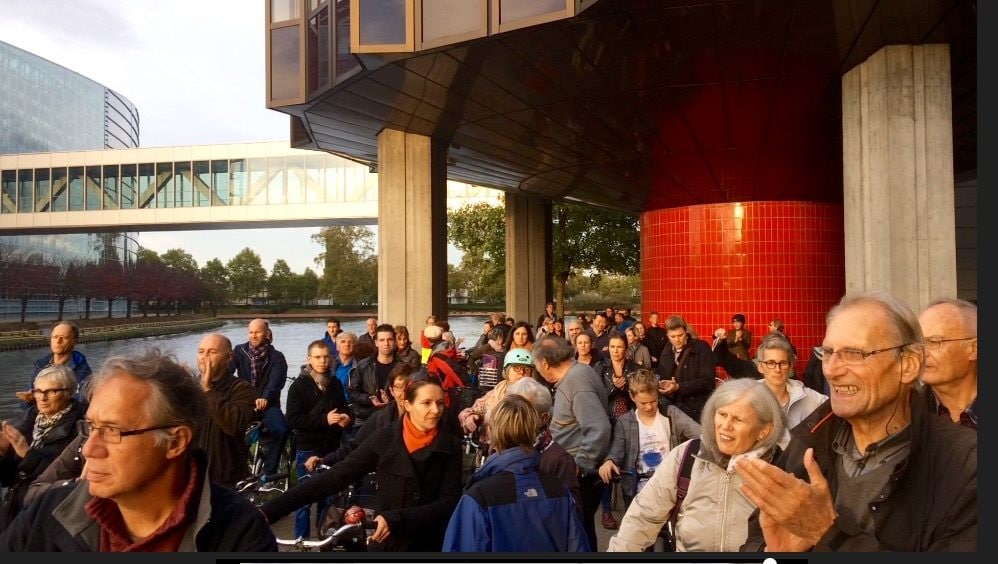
(528, 252)
(897, 149)
(412, 229)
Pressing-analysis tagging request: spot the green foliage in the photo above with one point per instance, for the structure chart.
(280, 282)
(247, 277)
(304, 286)
(587, 291)
(179, 260)
(350, 267)
(479, 231)
(215, 283)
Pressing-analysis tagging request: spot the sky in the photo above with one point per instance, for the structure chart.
(195, 70)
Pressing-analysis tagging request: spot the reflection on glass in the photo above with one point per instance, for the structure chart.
(313, 179)
(283, 10)
(220, 182)
(184, 186)
(76, 188)
(443, 18)
(382, 22)
(60, 190)
(285, 64)
(93, 188)
(295, 183)
(147, 185)
(25, 195)
(275, 180)
(513, 10)
(239, 186)
(164, 185)
(202, 184)
(111, 187)
(42, 189)
(334, 181)
(8, 191)
(257, 188)
(346, 63)
(318, 52)
(128, 196)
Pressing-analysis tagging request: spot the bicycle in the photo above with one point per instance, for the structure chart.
(334, 534)
(256, 488)
(286, 467)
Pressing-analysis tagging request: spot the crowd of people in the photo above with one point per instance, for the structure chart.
(874, 447)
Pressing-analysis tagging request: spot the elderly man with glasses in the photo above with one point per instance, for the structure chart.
(145, 486)
(950, 375)
(872, 469)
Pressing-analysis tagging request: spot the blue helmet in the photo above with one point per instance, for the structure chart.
(518, 356)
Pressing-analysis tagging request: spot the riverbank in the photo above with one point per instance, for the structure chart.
(95, 330)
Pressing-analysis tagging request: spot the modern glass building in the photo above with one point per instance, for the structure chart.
(46, 107)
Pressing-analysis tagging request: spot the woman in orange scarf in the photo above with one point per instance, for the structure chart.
(418, 469)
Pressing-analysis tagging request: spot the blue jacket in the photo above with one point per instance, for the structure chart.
(77, 362)
(275, 372)
(510, 506)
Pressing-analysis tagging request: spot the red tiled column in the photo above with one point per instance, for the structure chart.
(763, 259)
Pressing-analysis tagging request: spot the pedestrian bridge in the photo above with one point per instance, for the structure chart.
(241, 185)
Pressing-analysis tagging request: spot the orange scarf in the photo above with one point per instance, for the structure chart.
(414, 438)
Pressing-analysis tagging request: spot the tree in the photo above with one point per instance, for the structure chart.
(479, 231)
(350, 267)
(246, 274)
(280, 281)
(180, 260)
(305, 286)
(215, 284)
(594, 239)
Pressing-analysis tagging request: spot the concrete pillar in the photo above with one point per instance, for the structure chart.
(528, 256)
(897, 149)
(412, 229)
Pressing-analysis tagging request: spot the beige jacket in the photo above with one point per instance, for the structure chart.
(713, 518)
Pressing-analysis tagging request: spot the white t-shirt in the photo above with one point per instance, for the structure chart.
(654, 443)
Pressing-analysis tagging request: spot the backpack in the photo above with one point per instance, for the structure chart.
(457, 367)
(682, 487)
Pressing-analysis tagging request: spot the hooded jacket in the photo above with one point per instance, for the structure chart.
(511, 506)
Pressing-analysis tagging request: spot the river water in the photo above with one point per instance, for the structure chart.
(291, 337)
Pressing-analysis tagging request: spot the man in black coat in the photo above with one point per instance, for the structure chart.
(686, 368)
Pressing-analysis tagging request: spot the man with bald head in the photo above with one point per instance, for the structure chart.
(264, 367)
(231, 408)
(950, 374)
(62, 344)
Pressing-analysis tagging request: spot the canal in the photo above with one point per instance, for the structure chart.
(291, 337)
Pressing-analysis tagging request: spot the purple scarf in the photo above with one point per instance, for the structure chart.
(258, 358)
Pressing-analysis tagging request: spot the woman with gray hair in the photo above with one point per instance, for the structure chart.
(28, 446)
(775, 359)
(740, 419)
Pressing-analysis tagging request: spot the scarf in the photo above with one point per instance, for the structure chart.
(44, 424)
(414, 438)
(258, 358)
(543, 440)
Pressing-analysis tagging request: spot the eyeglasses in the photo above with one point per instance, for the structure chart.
(772, 364)
(936, 344)
(48, 393)
(111, 435)
(850, 356)
(522, 368)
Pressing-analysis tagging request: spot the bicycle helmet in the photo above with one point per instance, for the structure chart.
(518, 356)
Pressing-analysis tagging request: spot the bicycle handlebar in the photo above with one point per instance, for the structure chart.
(335, 536)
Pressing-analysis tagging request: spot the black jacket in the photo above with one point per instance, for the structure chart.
(363, 384)
(17, 473)
(271, 382)
(307, 409)
(416, 493)
(57, 522)
(696, 378)
(929, 503)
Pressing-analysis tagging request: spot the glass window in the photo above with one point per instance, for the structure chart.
(76, 193)
(283, 10)
(382, 22)
(202, 184)
(111, 187)
(313, 179)
(346, 62)
(257, 188)
(9, 191)
(60, 190)
(147, 185)
(128, 196)
(164, 185)
(25, 193)
(220, 182)
(42, 189)
(515, 10)
(240, 182)
(334, 181)
(318, 51)
(450, 18)
(184, 186)
(93, 188)
(295, 178)
(275, 181)
(285, 64)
